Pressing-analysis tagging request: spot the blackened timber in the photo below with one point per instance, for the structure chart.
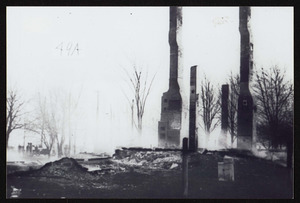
(185, 166)
(193, 138)
(185, 144)
(224, 116)
(169, 125)
(224, 120)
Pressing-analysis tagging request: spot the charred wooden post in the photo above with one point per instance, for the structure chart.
(193, 137)
(225, 95)
(185, 164)
(224, 114)
(245, 125)
(169, 125)
(185, 145)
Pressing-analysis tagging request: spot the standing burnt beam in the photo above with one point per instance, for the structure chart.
(245, 101)
(224, 116)
(169, 125)
(185, 167)
(225, 95)
(193, 137)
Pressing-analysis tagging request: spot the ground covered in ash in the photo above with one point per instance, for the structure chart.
(152, 174)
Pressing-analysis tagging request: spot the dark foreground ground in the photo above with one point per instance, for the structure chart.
(155, 175)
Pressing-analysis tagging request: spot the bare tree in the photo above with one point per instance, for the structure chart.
(210, 108)
(71, 107)
(14, 112)
(43, 125)
(234, 87)
(233, 82)
(140, 87)
(51, 121)
(274, 97)
(58, 116)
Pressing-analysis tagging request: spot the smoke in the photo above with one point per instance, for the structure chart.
(12, 155)
(216, 140)
(124, 136)
(15, 156)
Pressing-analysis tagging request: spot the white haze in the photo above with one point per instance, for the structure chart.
(109, 40)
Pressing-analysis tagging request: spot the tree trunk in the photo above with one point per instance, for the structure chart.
(232, 134)
(140, 126)
(7, 136)
(59, 150)
(49, 151)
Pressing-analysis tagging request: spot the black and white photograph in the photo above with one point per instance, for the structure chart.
(141, 102)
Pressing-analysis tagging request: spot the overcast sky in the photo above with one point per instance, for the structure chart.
(98, 43)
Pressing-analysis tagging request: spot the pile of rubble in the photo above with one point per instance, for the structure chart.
(156, 160)
(124, 160)
(66, 168)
